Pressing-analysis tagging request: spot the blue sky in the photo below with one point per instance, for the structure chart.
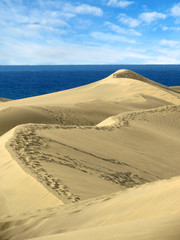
(89, 32)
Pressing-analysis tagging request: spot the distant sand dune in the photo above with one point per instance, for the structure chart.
(99, 161)
(4, 99)
(90, 104)
(176, 89)
(108, 89)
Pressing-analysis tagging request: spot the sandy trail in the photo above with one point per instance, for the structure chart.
(20, 192)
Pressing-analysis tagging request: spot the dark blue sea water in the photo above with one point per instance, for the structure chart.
(26, 81)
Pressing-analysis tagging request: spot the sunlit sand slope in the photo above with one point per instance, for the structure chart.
(132, 149)
(148, 212)
(19, 192)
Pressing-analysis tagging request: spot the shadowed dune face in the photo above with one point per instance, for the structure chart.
(4, 99)
(104, 150)
(125, 73)
(161, 229)
(14, 116)
(3, 205)
(176, 89)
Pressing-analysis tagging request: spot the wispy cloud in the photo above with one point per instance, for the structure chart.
(163, 59)
(108, 37)
(71, 7)
(120, 4)
(22, 18)
(83, 9)
(131, 22)
(175, 10)
(165, 28)
(48, 13)
(149, 17)
(143, 18)
(67, 32)
(118, 29)
(164, 56)
(170, 43)
(62, 53)
(49, 19)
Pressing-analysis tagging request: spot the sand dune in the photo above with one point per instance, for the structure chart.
(161, 229)
(14, 116)
(176, 89)
(113, 88)
(19, 191)
(4, 99)
(92, 161)
(121, 92)
(99, 161)
(152, 210)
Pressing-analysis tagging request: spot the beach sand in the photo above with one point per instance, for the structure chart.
(99, 161)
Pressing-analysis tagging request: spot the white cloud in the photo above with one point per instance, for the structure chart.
(131, 22)
(163, 59)
(108, 37)
(87, 9)
(53, 21)
(67, 7)
(55, 32)
(46, 29)
(165, 28)
(165, 56)
(59, 52)
(121, 4)
(62, 53)
(149, 17)
(170, 43)
(33, 18)
(146, 17)
(175, 28)
(167, 52)
(83, 9)
(120, 30)
(175, 10)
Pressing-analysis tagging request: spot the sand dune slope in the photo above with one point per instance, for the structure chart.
(144, 230)
(19, 192)
(4, 99)
(148, 212)
(161, 229)
(117, 87)
(90, 104)
(176, 89)
(91, 161)
(99, 161)
(14, 116)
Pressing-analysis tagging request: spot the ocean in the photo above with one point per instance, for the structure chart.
(26, 81)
